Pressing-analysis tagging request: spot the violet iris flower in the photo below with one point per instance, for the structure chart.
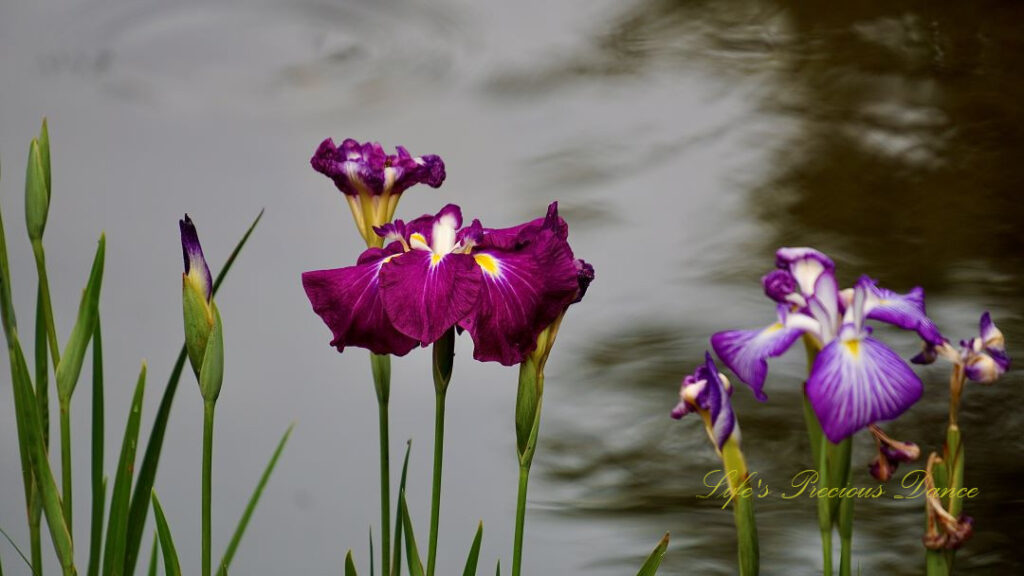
(503, 286)
(983, 357)
(855, 379)
(707, 392)
(373, 181)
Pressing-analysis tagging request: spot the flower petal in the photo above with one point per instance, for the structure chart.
(856, 382)
(195, 262)
(525, 288)
(425, 294)
(349, 302)
(714, 398)
(903, 310)
(805, 264)
(746, 352)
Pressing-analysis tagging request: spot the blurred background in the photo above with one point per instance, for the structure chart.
(684, 140)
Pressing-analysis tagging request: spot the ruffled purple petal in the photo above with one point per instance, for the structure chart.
(991, 337)
(715, 399)
(584, 276)
(349, 302)
(746, 352)
(524, 289)
(805, 264)
(195, 262)
(510, 238)
(779, 285)
(425, 294)
(366, 168)
(856, 382)
(906, 311)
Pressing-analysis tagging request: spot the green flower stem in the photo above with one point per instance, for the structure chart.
(517, 558)
(443, 359)
(44, 293)
(743, 508)
(35, 532)
(381, 366)
(841, 509)
(208, 409)
(65, 458)
(824, 507)
(435, 502)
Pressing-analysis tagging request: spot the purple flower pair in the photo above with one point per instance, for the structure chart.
(855, 379)
(502, 285)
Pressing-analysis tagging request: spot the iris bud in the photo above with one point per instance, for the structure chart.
(203, 330)
(37, 185)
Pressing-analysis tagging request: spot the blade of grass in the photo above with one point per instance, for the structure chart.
(117, 524)
(40, 464)
(16, 549)
(229, 554)
(171, 565)
(152, 557)
(396, 569)
(371, 551)
(650, 567)
(140, 500)
(42, 359)
(350, 566)
(474, 552)
(412, 554)
(99, 483)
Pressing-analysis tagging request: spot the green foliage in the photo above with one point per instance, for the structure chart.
(650, 567)
(171, 565)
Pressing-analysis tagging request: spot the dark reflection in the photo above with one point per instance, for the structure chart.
(899, 155)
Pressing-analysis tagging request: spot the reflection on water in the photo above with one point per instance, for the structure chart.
(685, 140)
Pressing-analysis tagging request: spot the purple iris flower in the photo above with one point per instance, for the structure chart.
(983, 358)
(372, 180)
(855, 379)
(707, 392)
(503, 286)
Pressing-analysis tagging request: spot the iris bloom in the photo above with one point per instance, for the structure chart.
(373, 181)
(855, 379)
(707, 393)
(504, 286)
(983, 358)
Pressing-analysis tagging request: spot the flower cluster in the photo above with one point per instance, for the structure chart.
(424, 277)
(855, 379)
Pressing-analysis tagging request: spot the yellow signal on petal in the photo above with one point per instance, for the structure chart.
(435, 258)
(853, 346)
(487, 263)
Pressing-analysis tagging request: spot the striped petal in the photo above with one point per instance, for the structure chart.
(526, 285)
(746, 352)
(349, 302)
(903, 310)
(425, 294)
(857, 381)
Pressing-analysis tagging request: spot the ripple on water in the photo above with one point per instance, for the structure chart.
(255, 56)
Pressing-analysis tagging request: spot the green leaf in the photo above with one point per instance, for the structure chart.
(140, 501)
(371, 551)
(88, 312)
(498, 571)
(229, 554)
(474, 552)
(28, 413)
(117, 525)
(211, 376)
(171, 565)
(412, 554)
(350, 566)
(396, 569)
(650, 567)
(99, 481)
(152, 557)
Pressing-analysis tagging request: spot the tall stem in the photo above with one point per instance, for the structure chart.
(44, 293)
(443, 361)
(435, 502)
(65, 458)
(517, 557)
(208, 408)
(381, 366)
(743, 509)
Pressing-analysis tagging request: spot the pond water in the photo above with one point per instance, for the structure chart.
(685, 141)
